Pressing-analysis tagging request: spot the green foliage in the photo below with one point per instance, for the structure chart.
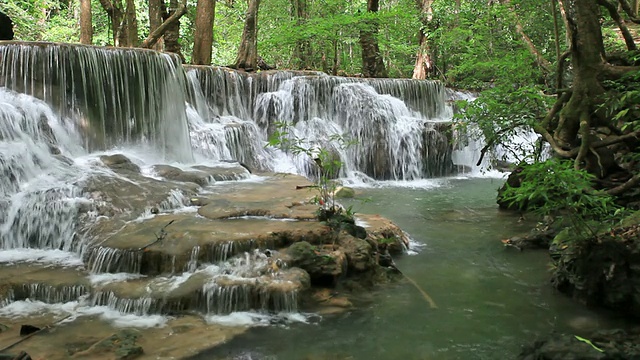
(478, 45)
(554, 188)
(328, 162)
(503, 112)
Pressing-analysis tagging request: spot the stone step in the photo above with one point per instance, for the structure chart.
(39, 282)
(189, 241)
(248, 282)
(207, 294)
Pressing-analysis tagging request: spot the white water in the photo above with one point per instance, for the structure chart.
(399, 128)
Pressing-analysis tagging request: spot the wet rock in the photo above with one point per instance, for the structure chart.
(64, 159)
(600, 271)
(119, 162)
(231, 171)
(122, 345)
(605, 345)
(3, 328)
(514, 180)
(538, 238)
(345, 193)
(173, 173)
(359, 253)
(324, 265)
(383, 234)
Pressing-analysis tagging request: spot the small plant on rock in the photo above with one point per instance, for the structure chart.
(328, 165)
(555, 189)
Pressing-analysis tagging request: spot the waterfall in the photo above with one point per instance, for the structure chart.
(63, 107)
(113, 97)
(398, 128)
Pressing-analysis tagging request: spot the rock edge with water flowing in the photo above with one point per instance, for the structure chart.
(189, 243)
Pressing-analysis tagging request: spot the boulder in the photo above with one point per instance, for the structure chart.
(602, 345)
(228, 172)
(119, 162)
(601, 271)
(173, 173)
(359, 253)
(345, 193)
(325, 266)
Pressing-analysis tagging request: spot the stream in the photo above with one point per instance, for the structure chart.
(491, 300)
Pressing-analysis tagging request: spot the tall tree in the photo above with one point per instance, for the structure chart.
(569, 125)
(169, 29)
(372, 64)
(203, 37)
(423, 61)
(302, 50)
(172, 31)
(157, 11)
(86, 24)
(130, 25)
(114, 11)
(248, 51)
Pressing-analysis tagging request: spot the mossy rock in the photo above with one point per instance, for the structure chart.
(345, 193)
(122, 344)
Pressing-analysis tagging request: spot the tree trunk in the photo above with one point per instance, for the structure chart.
(423, 64)
(172, 32)
(157, 12)
(588, 58)
(248, 51)
(114, 11)
(86, 26)
(203, 37)
(372, 64)
(130, 27)
(303, 46)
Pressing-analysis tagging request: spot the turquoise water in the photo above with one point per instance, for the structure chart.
(491, 300)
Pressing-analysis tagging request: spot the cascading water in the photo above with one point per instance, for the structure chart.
(114, 98)
(63, 107)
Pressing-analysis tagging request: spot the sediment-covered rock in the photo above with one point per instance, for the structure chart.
(603, 270)
(602, 345)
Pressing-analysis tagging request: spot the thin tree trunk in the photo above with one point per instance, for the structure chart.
(131, 24)
(86, 26)
(624, 30)
(303, 46)
(540, 60)
(157, 12)
(203, 37)
(372, 64)
(172, 29)
(114, 11)
(248, 51)
(423, 64)
(171, 19)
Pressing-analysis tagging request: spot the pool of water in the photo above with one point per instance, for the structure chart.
(491, 300)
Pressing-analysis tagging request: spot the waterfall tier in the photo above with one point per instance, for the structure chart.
(124, 180)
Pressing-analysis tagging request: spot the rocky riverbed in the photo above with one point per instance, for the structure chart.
(185, 244)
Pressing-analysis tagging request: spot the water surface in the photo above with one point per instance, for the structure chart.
(491, 300)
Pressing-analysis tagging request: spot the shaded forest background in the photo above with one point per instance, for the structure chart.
(467, 44)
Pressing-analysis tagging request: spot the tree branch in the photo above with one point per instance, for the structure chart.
(631, 183)
(613, 72)
(626, 34)
(627, 9)
(157, 33)
(615, 139)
